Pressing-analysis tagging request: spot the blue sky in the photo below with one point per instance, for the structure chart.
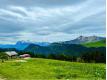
(50, 20)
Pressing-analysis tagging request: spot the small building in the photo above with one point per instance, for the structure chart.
(25, 56)
(12, 54)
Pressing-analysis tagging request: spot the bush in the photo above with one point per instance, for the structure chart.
(3, 56)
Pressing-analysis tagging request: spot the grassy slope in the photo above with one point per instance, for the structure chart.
(51, 70)
(101, 43)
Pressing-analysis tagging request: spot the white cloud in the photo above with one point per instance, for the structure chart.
(51, 23)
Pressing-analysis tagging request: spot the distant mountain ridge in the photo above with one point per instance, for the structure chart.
(22, 45)
(83, 39)
(58, 48)
(73, 47)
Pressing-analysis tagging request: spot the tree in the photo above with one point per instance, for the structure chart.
(3, 56)
(51, 56)
(94, 56)
(62, 56)
(40, 55)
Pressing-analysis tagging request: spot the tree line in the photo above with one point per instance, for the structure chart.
(97, 56)
(89, 56)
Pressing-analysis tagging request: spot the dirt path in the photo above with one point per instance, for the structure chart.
(20, 61)
(2, 78)
(17, 61)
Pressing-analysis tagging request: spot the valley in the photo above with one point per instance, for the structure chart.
(83, 58)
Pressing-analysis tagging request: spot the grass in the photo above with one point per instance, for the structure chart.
(45, 69)
(101, 43)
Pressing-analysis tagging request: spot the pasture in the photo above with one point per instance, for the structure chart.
(37, 68)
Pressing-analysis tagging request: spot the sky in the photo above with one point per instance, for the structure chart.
(50, 20)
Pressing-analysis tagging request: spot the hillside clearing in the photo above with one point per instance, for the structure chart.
(101, 43)
(51, 70)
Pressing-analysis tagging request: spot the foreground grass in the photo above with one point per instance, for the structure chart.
(35, 69)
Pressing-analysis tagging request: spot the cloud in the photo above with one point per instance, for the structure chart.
(50, 20)
(41, 3)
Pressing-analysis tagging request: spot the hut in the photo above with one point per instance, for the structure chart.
(25, 56)
(12, 54)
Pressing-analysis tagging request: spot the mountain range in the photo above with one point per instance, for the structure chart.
(76, 47)
(81, 40)
(21, 45)
(58, 48)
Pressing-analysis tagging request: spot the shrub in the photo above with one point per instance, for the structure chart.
(3, 56)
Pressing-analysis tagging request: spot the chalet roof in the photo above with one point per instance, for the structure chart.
(11, 53)
(25, 55)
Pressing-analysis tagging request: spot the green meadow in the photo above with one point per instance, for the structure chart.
(101, 43)
(47, 69)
